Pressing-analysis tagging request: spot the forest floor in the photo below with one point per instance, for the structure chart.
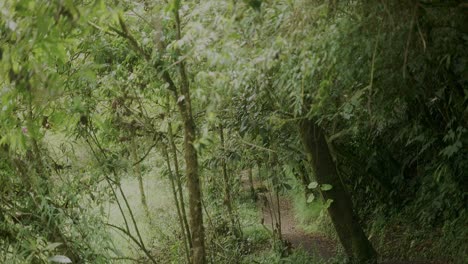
(293, 235)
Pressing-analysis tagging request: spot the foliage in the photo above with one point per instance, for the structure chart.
(87, 100)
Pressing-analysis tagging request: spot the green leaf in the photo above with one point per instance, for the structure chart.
(287, 186)
(60, 259)
(312, 185)
(452, 149)
(52, 246)
(310, 198)
(328, 203)
(326, 187)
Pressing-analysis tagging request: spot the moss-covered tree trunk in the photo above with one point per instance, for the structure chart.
(352, 237)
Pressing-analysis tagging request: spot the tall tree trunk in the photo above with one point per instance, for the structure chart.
(193, 182)
(352, 237)
(191, 159)
(191, 162)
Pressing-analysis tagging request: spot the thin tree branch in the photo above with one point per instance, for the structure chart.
(144, 156)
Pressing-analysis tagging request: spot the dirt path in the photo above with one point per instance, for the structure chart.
(314, 244)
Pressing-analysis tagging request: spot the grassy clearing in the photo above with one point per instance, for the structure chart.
(156, 228)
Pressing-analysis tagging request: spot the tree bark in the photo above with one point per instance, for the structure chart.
(302, 176)
(191, 162)
(351, 235)
(193, 184)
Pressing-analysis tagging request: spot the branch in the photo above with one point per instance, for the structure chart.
(132, 40)
(146, 154)
(126, 233)
(125, 33)
(101, 29)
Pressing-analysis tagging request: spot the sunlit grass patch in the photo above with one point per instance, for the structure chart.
(155, 228)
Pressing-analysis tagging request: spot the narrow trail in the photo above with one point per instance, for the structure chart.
(314, 244)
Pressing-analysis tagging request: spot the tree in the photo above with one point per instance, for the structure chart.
(276, 86)
(347, 226)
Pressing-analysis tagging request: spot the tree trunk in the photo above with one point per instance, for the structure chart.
(352, 237)
(179, 183)
(191, 170)
(176, 201)
(303, 177)
(251, 183)
(191, 163)
(193, 183)
(227, 185)
(279, 225)
(139, 175)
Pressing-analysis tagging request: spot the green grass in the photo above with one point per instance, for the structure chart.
(311, 216)
(155, 230)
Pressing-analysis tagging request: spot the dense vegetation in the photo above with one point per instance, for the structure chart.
(144, 131)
